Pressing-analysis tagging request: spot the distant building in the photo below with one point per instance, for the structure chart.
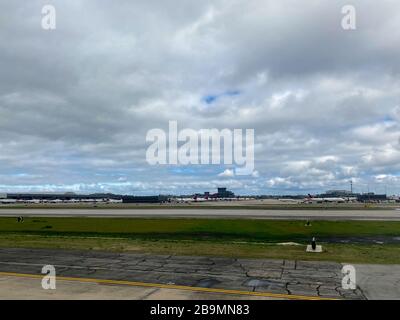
(371, 197)
(70, 196)
(339, 193)
(144, 199)
(223, 193)
(344, 194)
(60, 196)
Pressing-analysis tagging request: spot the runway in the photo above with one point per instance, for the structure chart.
(331, 214)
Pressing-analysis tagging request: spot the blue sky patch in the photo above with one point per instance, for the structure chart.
(211, 98)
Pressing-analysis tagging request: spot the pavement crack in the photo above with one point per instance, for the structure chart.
(149, 294)
(287, 288)
(318, 291)
(362, 293)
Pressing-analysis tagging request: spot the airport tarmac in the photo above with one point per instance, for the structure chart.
(331, 214)
(23, 288)
(106, 275)
(379, 282)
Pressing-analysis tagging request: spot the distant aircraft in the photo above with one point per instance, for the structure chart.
(114, 200)
(197, 199)
(289, 200)
(32, 201)
(312, 199)
(56, 201)
(7, 201)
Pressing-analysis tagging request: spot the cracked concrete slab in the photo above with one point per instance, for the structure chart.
(317, 279)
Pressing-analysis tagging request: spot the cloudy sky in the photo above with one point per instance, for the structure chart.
(76, 102)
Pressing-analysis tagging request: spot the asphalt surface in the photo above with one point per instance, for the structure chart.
(279, 277)
(378, 215)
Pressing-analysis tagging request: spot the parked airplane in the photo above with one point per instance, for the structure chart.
(7, 201)
(114, 200)
(197, 199)
(289, 200)
(312, 199)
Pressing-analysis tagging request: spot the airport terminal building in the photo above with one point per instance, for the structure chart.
(73, 197)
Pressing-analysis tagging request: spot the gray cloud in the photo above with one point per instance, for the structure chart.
(76, 103)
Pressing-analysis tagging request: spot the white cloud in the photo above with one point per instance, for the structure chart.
(228, 173)
(255, 174)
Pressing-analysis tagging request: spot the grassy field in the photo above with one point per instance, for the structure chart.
(220, 237)
(376, 254)
(199, 229)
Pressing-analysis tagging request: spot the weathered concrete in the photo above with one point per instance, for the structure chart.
(14, 288)
(277, 276)
(379, 282)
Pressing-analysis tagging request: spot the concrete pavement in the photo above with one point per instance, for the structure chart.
(378, 215)
(379, 282)
(243, 278)
(18, 288)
